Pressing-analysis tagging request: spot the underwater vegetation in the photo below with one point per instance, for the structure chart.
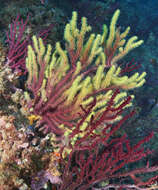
(62, 107)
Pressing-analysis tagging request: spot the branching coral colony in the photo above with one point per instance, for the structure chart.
(77, 95)
(65, 79)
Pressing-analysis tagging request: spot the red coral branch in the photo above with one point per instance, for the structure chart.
(95, 158)
(18, 41)
(17, 44)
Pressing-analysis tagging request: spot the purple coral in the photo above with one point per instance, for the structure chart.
(42, 178)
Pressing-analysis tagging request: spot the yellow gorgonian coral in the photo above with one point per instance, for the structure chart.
(69, 77)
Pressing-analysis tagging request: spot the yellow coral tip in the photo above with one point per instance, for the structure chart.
(33, 118)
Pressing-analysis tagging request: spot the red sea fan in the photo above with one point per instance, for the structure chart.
(101, 156)
(17, 44)
(102, 160)
(18, 39)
